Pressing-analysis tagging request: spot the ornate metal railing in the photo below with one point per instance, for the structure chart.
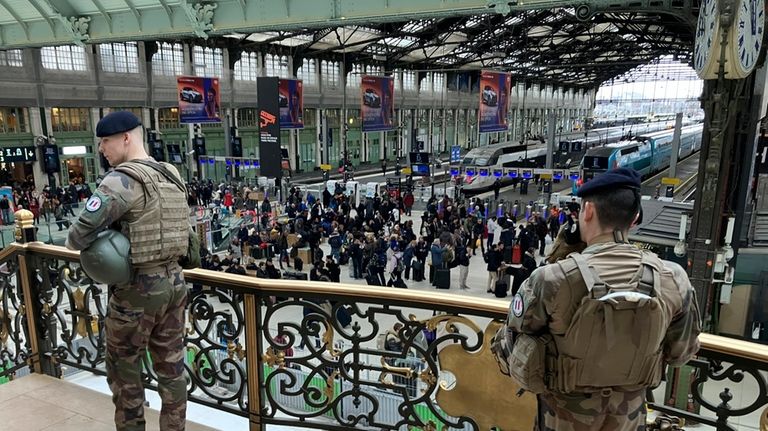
(325, 356)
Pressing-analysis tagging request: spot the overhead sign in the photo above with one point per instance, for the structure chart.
(17, 154)
(419, 157)
(199, 99)
(378, 108)
(291, 103)
(455, 154)
(494, 101)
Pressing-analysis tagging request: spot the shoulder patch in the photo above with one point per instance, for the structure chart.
(518, 305)
(93, 204)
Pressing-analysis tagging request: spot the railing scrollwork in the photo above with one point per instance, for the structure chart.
(325, 356)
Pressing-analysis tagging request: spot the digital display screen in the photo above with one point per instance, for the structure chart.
(455, 172)
(483, 172)
(557, 175)
(420, 170)
(470, 172)
(527, 173)
(512, 173)
(419, 158)
(498, 173)
(591, 162)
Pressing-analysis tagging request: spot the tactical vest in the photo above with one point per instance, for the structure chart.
(614, 340)
(158, 231)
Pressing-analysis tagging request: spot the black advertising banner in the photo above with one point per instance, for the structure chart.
(270, 156)
(378, 108)
(291, 103)
(494, 101)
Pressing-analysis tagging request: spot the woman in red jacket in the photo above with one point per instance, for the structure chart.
(228, 200)
(408, 203)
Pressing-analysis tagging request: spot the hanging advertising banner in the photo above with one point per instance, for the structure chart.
(494, 101)
(291, 103)
(270, 155)
(378, 108)
(199, 100)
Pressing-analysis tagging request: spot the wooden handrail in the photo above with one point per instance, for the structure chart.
(494, 308)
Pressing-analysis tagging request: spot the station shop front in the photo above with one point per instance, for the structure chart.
(79, 163)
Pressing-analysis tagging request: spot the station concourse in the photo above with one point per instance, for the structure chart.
(334, 152)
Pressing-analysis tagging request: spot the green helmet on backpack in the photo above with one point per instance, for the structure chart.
(107, 260)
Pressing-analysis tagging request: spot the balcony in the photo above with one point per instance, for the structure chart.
(306, 355)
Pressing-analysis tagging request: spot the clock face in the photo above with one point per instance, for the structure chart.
(705, 35)
(748, 37)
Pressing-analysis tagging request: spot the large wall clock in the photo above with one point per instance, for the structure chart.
(745, 38)
(706, 50)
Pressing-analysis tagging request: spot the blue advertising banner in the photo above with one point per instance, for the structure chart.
(291, 103)
(199, 100)
(378, 108)
(494, 101)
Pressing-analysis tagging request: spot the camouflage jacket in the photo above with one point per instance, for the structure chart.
(116, 195)
(546, 301)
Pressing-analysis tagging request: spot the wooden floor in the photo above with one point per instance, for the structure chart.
(37, 402)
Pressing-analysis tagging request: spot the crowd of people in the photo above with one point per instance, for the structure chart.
(54, 205)
(374, 239)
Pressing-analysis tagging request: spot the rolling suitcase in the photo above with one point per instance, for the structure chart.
(443, 278)
(257, 253)
(418, 270)
(500, 290)
(517, 254)
(431, 274)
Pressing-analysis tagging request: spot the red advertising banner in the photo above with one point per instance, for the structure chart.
(199, 99)
(494, 100)
(377, 108)
(291, 103)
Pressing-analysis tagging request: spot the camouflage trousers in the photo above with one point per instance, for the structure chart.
(618, 411)
(147, 316)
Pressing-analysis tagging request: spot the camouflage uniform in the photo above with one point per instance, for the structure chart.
(548, 302)
(146, 315)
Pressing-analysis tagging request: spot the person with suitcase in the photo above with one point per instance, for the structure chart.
(408, 256)
(437, 260)
(493, 258)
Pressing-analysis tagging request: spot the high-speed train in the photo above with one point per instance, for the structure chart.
(647, 154)
(568, 154)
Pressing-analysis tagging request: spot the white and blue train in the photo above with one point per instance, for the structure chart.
(647, 154)
(483, 161)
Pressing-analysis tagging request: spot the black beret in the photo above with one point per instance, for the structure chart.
(621, 178)
(117, 122)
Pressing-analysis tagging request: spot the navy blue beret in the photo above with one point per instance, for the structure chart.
(117, 122)
(621, 178)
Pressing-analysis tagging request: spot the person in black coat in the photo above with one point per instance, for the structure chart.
(334, 272)
(519, 275)
(356, 256)
(494, 258)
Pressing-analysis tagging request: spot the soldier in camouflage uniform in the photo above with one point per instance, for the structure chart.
(148, 313)
(583, 389)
